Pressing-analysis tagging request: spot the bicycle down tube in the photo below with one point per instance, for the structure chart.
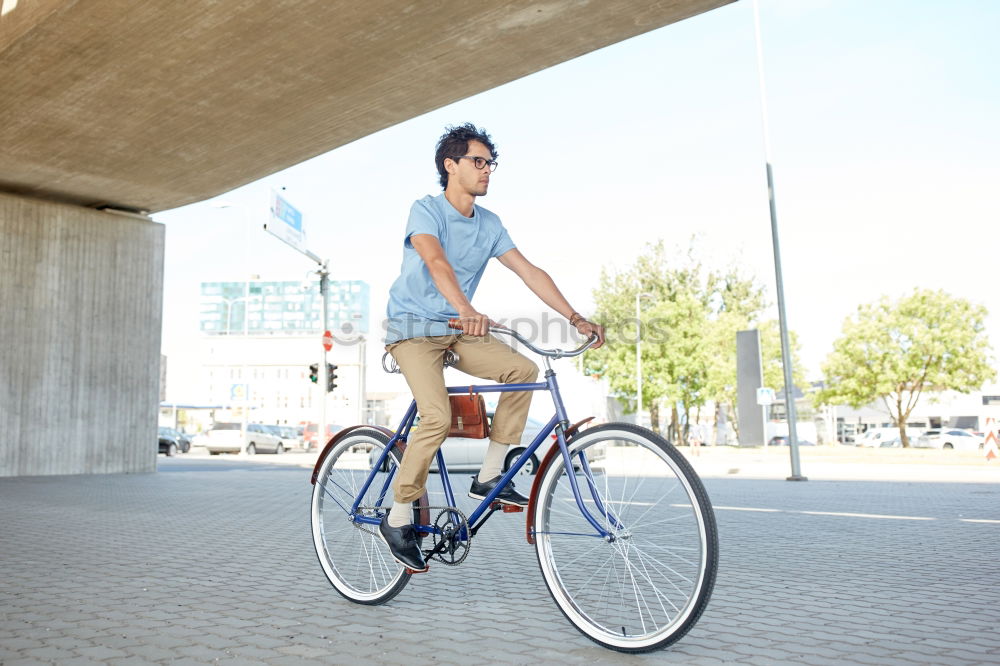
(558, 419)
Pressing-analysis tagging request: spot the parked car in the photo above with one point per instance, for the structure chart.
(172, 441)
(949, 438)
(886, 438)
(464, 453)
(309, 434)
(873, 437)
(782, 440)
(229, 438)
(289, 440)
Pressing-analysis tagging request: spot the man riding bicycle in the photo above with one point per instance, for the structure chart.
(447, 244)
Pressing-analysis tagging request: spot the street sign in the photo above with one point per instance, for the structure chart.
(765, 396)
(327, 340)
(286, 223)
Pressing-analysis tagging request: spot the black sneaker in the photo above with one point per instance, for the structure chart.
(403, 546)
(507, 496)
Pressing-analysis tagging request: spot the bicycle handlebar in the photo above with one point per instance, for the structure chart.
(551, 353)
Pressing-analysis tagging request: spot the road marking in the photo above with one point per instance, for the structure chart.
(862, 515)
(816, 513)
(740, 508)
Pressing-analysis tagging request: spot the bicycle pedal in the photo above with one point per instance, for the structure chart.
(507, 508)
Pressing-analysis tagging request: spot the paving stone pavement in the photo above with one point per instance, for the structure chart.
(211, 560)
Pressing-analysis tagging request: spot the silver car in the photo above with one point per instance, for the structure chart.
(289, 438)
(229, 438)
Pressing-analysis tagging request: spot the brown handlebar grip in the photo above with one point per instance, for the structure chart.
(456, 324)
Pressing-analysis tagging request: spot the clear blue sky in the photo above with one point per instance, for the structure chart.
(883, 122)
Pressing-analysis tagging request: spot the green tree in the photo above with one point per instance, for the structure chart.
(928, 341)
(770, 355)
(669, 288)
(689, 318)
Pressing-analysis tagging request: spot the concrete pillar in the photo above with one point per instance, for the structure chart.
(81, 296)
(749, 377)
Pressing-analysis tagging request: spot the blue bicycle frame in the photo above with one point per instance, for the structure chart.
(559, 422)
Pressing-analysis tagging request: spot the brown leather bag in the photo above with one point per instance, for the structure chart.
(468, 416)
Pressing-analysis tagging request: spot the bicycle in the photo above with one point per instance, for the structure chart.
(643, 520)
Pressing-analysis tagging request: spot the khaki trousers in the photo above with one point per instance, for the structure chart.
(421, 361)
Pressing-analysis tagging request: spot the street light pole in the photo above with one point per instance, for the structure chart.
(638, 359)
(324, 290)
(786, 357)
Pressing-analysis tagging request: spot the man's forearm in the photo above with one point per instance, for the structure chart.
(539, 282)
(444, 279)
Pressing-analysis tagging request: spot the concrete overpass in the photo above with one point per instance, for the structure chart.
(113, 109)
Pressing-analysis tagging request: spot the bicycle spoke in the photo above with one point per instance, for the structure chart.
(668, 520)
(660, 596)
(656, 590)
(635, 591)
(582, 555)
(666, 578)
(334, 498)
(669, 549)
(655, 504)
(687, 562)
(583, 585)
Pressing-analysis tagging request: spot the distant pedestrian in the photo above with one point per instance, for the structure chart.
(696, 438)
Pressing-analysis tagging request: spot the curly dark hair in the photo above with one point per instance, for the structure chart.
(455, 142)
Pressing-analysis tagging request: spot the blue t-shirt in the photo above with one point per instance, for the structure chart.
(416, 307)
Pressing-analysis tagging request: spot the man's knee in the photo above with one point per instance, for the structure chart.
(522, 372)
(436, 421)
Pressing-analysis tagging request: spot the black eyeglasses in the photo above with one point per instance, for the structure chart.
(479, 162)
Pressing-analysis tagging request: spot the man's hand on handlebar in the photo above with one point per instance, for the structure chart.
(589, 329)
(472, 323)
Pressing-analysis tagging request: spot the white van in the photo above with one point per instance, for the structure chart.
(229, 438)
(875, 437)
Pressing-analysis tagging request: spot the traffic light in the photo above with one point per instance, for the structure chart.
(331, 375)
(314, 373)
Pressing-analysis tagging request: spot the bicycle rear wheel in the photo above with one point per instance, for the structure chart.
(644, 588)
(353, 556)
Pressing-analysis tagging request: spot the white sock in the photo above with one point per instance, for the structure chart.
(493, 463)
(401, 514)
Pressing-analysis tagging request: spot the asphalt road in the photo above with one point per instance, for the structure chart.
(211, 560)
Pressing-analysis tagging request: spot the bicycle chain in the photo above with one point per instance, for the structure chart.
(371, 512)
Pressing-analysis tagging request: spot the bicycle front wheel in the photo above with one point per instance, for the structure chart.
(353, 556)
(647, 584)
